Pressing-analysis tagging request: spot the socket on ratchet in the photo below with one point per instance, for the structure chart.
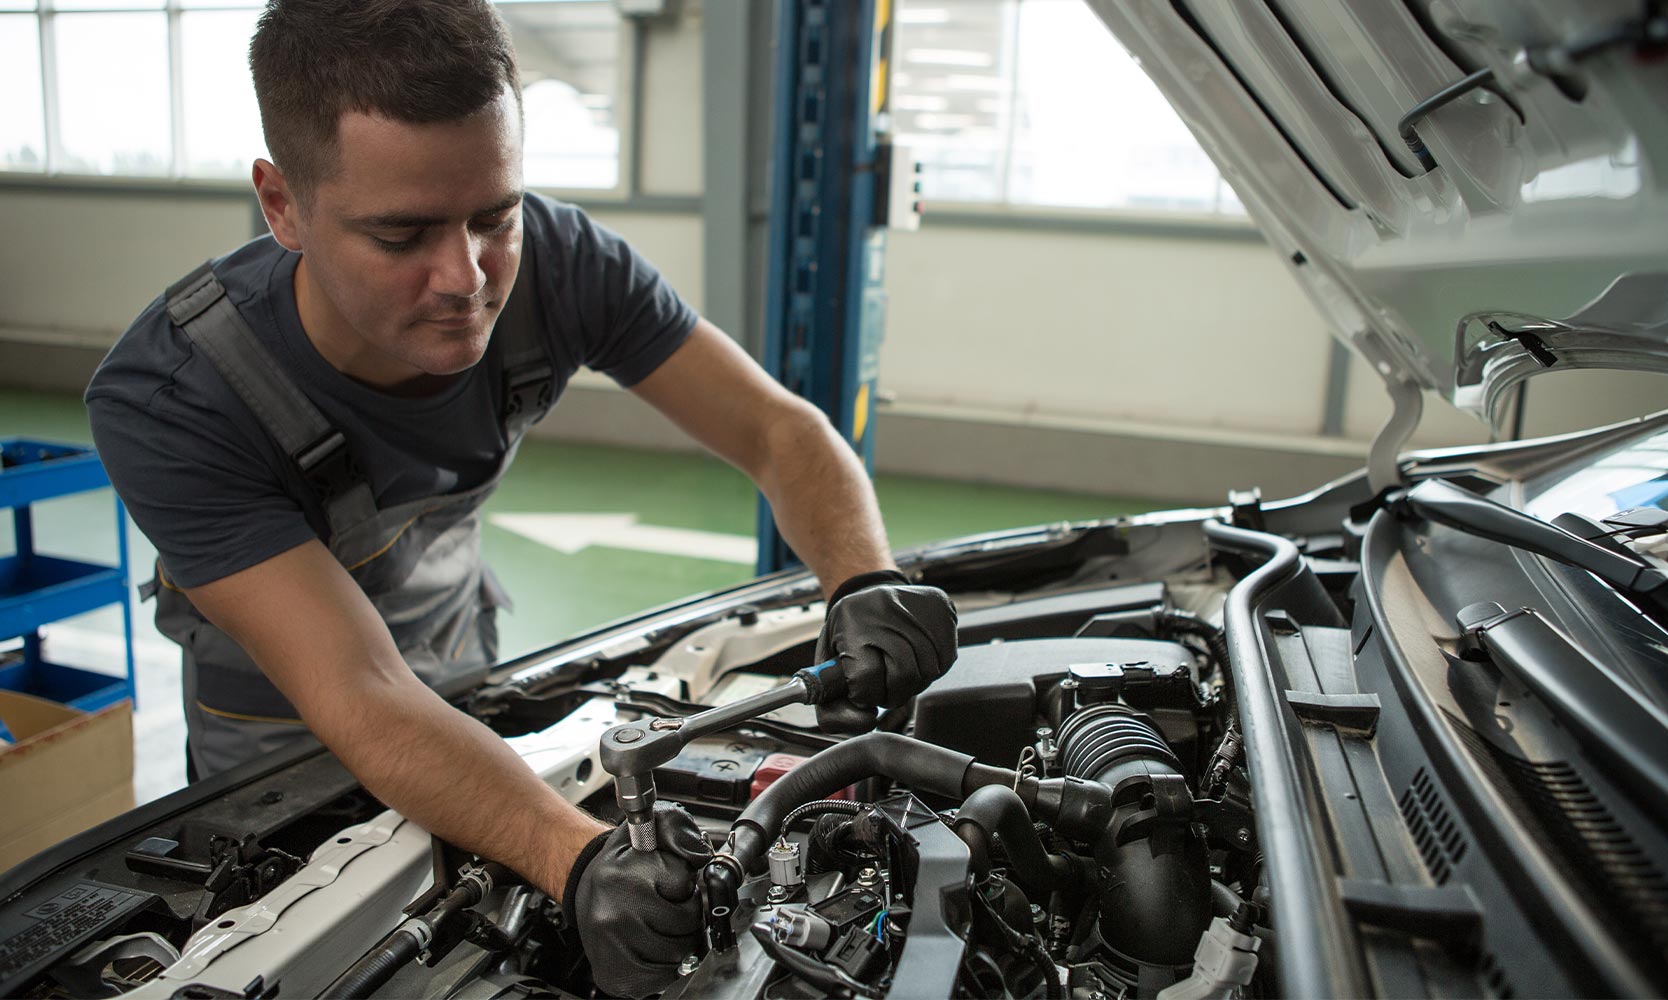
(631, 751)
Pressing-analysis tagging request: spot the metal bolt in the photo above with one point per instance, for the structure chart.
(1038, 915)
(628, 736)
(778, 893)
(1047, 749)
(1242, 834)
(689, 964)
(868, 876)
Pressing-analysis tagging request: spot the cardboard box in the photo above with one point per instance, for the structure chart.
(65, 771)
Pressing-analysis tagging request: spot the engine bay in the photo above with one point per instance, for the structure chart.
(1164, 740)
(1062, 814)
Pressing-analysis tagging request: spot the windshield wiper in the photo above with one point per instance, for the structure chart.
(1441, 501)
(1611, 719)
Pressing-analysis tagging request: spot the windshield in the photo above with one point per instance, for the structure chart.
(1633, 475)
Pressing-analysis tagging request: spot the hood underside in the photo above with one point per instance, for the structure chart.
(1521, 225)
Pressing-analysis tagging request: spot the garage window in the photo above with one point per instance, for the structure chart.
(1034, 103)
(161, 88)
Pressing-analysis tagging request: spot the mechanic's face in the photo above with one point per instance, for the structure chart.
(410, 247)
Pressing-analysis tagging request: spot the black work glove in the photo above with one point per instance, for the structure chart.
(637, 912)
(892, 640)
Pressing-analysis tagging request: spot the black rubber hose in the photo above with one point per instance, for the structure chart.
(998, 810)
(922, 766)
(402, 945)
(721, 888)
(371, 972)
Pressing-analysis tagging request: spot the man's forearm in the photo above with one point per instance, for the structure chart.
(455, 778)
(823, 502)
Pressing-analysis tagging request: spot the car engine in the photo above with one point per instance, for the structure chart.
(1056, 816)
(1065, 813)
(1114, 845)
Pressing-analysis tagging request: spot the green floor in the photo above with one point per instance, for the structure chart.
(559, 594)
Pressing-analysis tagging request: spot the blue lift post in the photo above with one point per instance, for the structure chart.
(825, 304)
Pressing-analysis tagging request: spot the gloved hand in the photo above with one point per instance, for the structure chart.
(638, 913)
(892, 640)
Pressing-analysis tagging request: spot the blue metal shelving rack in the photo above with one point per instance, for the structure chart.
(36, 589)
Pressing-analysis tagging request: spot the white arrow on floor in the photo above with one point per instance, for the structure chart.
(572, 533)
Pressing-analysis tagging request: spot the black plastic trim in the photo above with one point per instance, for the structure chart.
(1611, 721)
(54, 859)
(1526, 869)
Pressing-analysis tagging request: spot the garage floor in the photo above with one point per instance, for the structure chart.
(676, 525)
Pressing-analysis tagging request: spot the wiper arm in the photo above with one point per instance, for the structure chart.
(1441, 501)
(1608, 716)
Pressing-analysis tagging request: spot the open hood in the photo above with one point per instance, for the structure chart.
(1520, 225)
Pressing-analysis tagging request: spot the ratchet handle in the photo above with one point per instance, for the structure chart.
(824, 682)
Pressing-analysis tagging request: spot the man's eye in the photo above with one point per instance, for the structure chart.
(395, 246)
(491, 226)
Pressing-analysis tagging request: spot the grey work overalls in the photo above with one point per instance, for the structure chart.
(419, 562)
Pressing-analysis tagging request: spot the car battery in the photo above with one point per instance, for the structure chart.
(714, 770)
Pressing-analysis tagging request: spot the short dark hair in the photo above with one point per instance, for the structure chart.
(416, 61)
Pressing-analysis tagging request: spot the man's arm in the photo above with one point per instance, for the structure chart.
(816, 486)
(315, 635)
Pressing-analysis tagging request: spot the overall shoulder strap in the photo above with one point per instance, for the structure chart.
(529, 378)
(198, 303)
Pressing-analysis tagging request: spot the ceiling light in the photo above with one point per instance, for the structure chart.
(948, 57)
(923, 15)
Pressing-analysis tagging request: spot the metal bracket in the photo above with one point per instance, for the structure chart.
(1383, 457)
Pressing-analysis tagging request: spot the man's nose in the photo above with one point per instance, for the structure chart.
(456, 269)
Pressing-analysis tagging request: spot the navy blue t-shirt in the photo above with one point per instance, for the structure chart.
(214, 492)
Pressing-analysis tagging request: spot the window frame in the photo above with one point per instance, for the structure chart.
(1003, 213)
(627, 98)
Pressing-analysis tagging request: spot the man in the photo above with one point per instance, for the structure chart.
(307, 428)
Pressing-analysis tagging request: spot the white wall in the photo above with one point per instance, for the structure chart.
(672, 148)
(1194, 332)
(84, 263)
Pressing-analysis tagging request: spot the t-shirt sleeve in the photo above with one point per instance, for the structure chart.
(631, 317)
(209, 503)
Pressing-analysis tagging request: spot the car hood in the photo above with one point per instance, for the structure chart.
(1533, 236)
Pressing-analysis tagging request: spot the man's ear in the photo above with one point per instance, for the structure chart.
(278, 204)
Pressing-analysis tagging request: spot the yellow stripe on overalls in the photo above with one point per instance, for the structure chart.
(240, 717)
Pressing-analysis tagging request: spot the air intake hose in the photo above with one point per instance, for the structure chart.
(1156, 897)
